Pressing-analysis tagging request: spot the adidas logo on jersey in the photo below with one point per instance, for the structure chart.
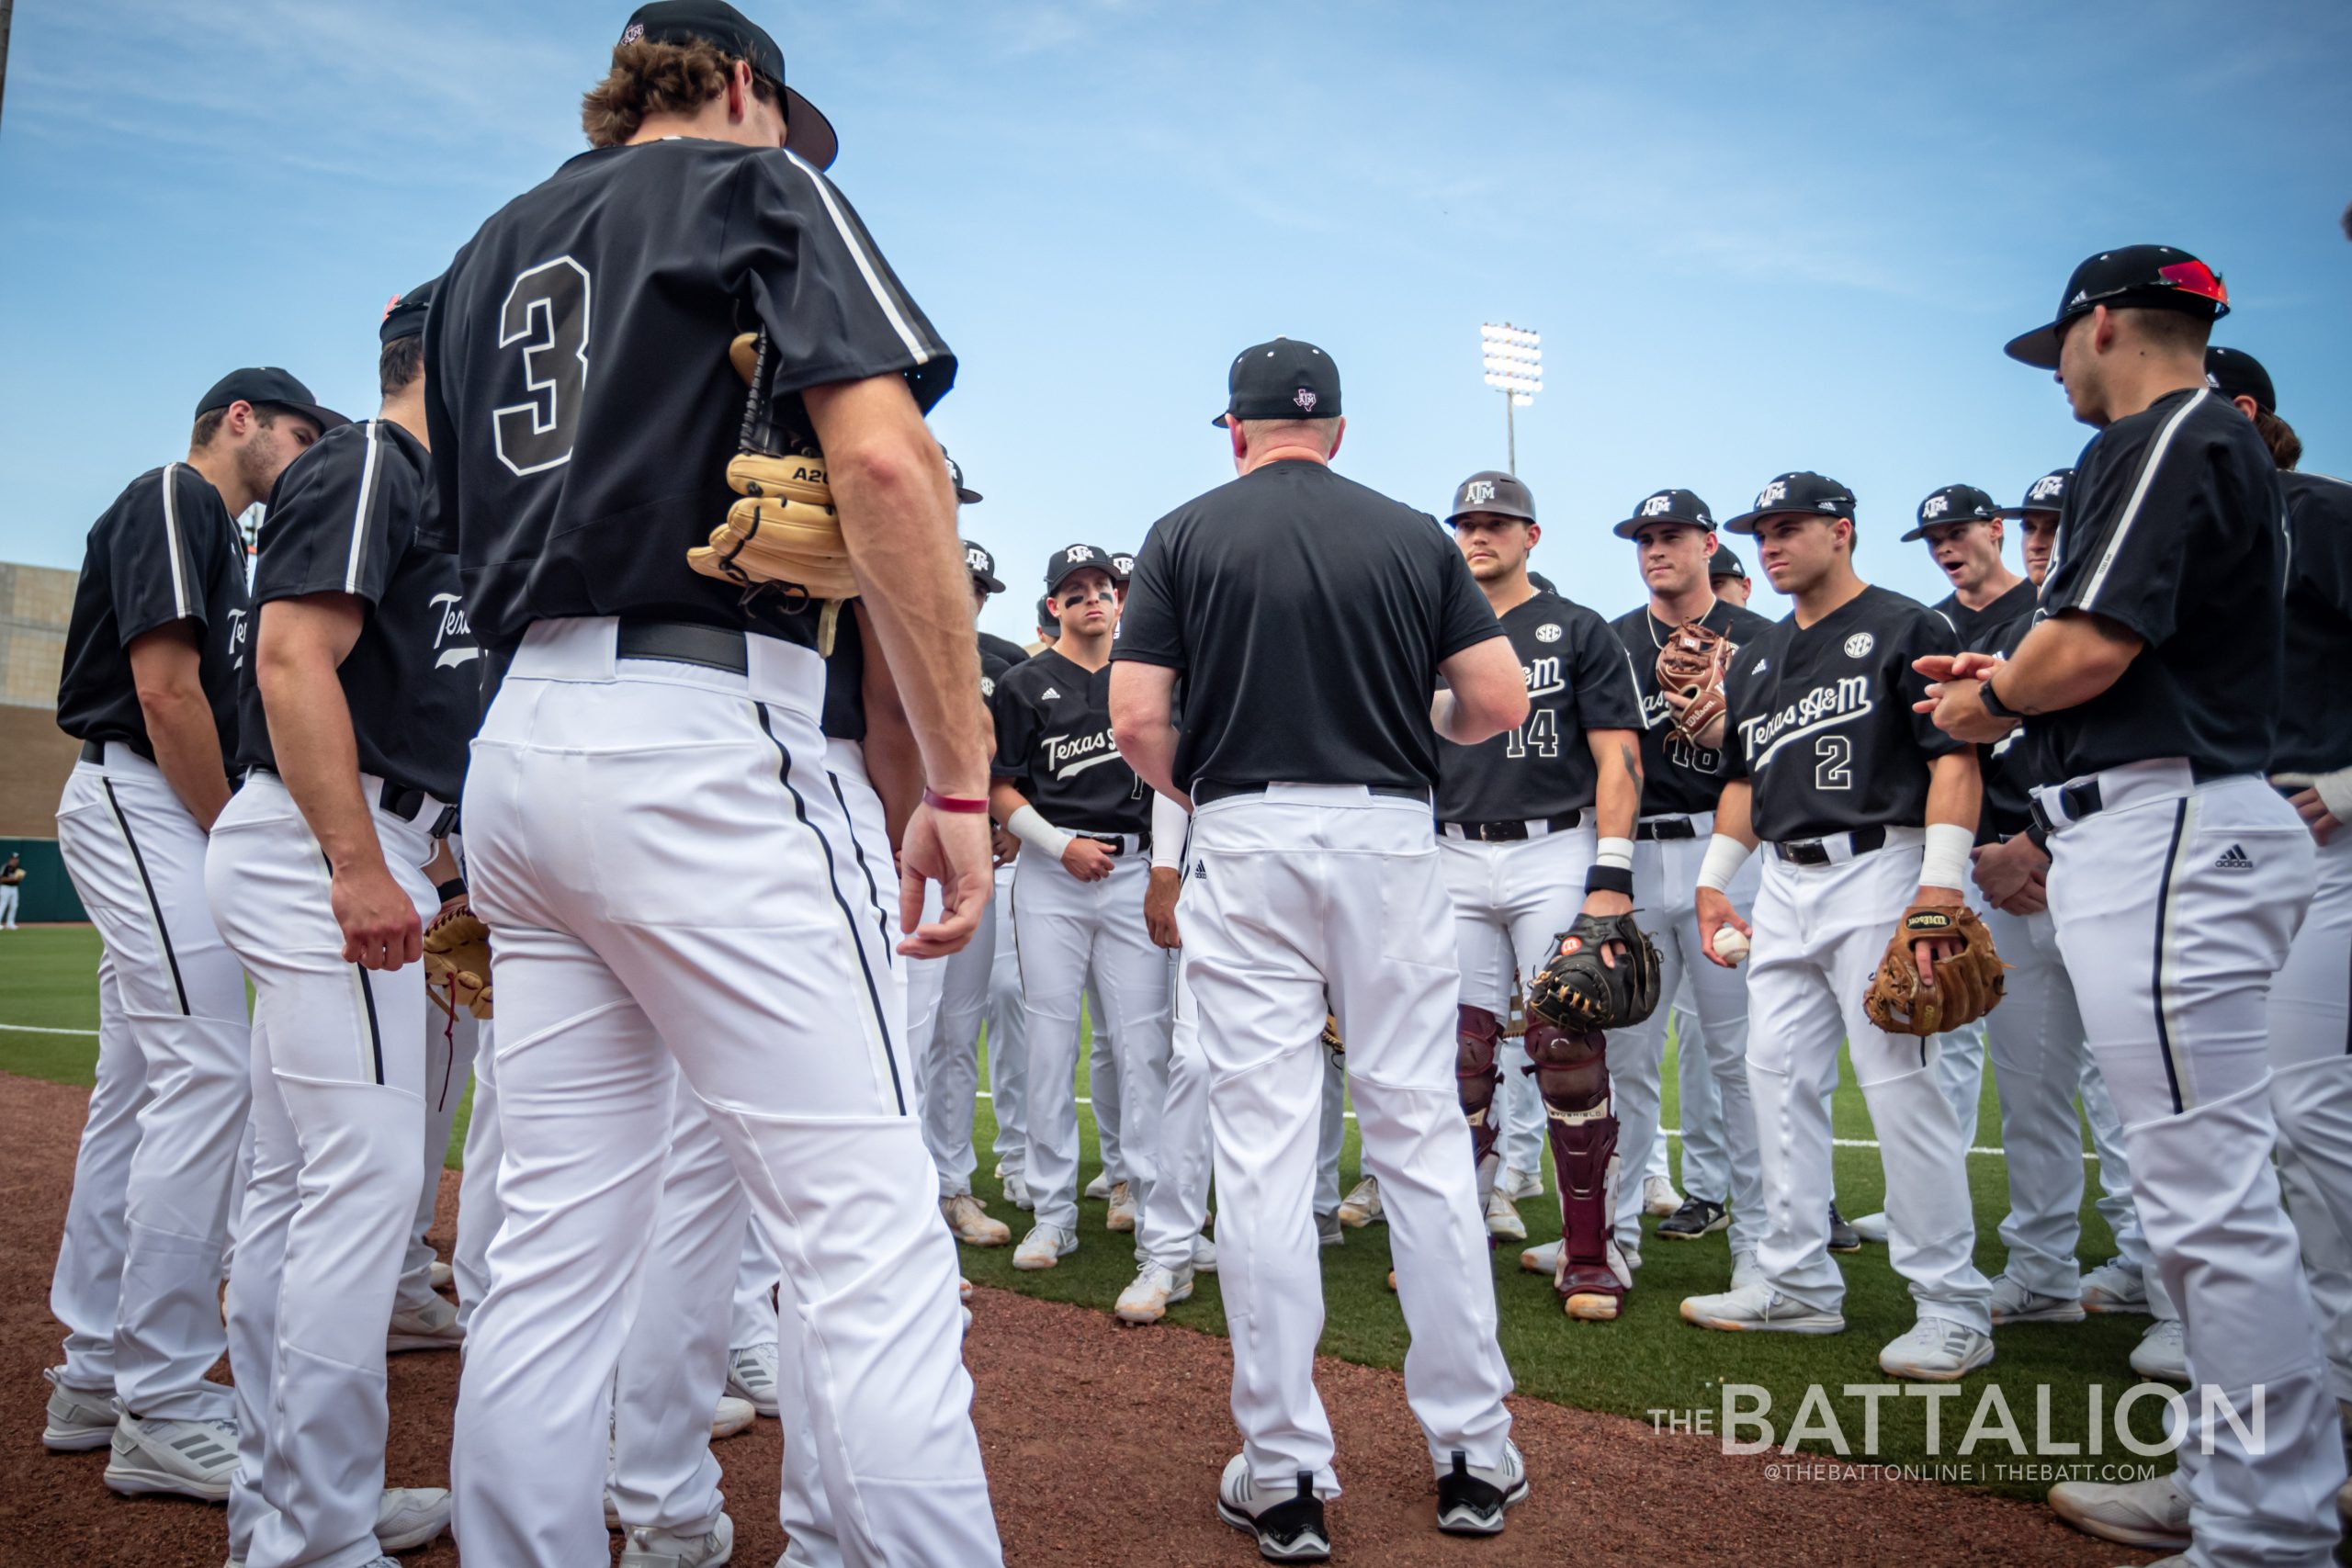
(1760, 664)
(1048, 694)
(2234, 859)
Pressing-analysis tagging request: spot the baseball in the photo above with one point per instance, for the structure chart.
(1730, 944)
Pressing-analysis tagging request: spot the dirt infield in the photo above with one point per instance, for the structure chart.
(1103, 1446)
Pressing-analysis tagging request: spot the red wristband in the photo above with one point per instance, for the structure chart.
(963, 805)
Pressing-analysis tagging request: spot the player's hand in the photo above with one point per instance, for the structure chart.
(1003, 845)
(379, 927)
(1958, 708)
(1159, 905)
(1602, 905)
(2002, 870)
(1957, 666)
(1086, 859)
(1927, 952)
(950, 847)
(1714, 913)
(2033, 898)
(2314, 813)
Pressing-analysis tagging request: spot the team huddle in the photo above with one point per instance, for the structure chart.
(634, 756)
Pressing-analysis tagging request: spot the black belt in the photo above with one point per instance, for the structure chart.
(1512, 830)
(2080, 800)
(1209, 792)
(1816, 851)
(685, 642)
(1666, 828)
(1112, 843)
(399, 800)
(96, 750)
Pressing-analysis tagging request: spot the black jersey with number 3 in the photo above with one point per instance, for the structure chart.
(1678, 778)
(1578, 680)
(1052, 741)
(580, 400)
(1820, 719)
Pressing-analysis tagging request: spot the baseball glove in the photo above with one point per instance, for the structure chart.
(457, 962)
(1576, 991)
(1968, 985)
(1692, 665)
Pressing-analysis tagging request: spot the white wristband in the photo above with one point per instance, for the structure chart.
(1034, 830)
(1945, 864)
(1616, 852)
(2336, 792)
(1725, 855)
(1168, 824)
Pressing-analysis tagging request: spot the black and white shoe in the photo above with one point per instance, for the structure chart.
(1288, 1525)
(1696, 1217)
(1470, 1498)
(1842, 1237)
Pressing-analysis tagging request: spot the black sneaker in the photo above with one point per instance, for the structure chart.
(1288, 1531)
(1470, 1502)
(1842, 1237)
(1696, 1217)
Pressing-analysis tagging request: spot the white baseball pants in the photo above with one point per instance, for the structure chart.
(947, 998)
(8, 893)
(2311, 1066)
(672, 885)
(1178, 1204)
(479, 1212)
(1820, 931)
(137, 859)
(2036, 1041)
(1102, 1059)
(450, 1043)
(2148, 896)
(1306, 890)
(1699, 1111)
(86, 1291)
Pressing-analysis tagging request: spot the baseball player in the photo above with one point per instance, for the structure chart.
(1049, 626)
(421, 1318)
(1674, 538)
(352, 748)
(1309, 618)
(1063, 789)
(159, 628)
(666, 871)
(1728, 579)
(1868, 810)
(2179, 876)
(1534, 825)
(12, 879)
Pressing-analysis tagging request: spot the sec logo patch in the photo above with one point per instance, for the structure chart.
(1859, 646)
(1548, 632)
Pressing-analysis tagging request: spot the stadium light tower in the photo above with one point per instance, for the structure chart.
(1514, 359)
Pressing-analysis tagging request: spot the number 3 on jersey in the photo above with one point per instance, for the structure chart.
(546, 318)
(1541, 731)
(1832, 753)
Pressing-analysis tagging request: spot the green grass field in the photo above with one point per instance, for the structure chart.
(1648, 1361)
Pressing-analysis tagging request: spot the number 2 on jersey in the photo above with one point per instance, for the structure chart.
(546, 315)
(1541, 731)
(1832, 755)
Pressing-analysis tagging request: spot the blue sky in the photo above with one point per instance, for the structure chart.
(1755, 238)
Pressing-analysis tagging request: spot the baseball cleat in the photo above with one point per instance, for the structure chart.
(1658, 1197)
(1844, 1237)
(1936, 1349)
(441, 1277)
(1329, 1231)
(2151, 1513)
(963, 1295)
(1100, 1187)
(1287, 1521)
(730, 1417)
(433, 1326)
(1121, 1216)
(2115, 1286)
(1745, 1270)
(1043, 1246)
(649, 1548)
(1696, 1217)
(1519, 1185)
(186, 1458)
(1502, 1221)
(79, 1419)
(1361, 1206)
(1544, 1260)
(1593, 1306)
(973, 1225)
(1759, 1308)
(1016, 1192)
(409, 1516)
(2012, 1303)
(2162, 1352)
(1470, 1498)
(1203, 1255)
(1154, 1290)
(1870, 1227)
(752, 1375)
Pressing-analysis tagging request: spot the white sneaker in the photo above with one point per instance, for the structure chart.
(2162, 1352)
(1203, 1255)
(752, 1375)
(1502, 1221)
(1759, 1307)
(2115, 1286)
(1043, 1246)
(433, 1326)
(1470, 1498)
(2152, 1512)
(1153, 1292)
(2012, 1303)
(1543, 1260)
(441, 1277)
(730, 1417)
(1100, 1187)
(651, 1548)
(970, 1223)
(79, 1419)
(189, 1459)
(1360, 1207)
(1936, 1349)
(1745, 1270)
(1519, 1185)
(1870, 1227)
(1658, 1197)
(1121, 1217)
(1016, 1192)
(408, 1516)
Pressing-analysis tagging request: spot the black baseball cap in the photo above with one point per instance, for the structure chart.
(1953, 503)
(807, 132)
(267, 384)
(1723, 563)
(404, 317)
(1668, 506)
(2131, 275)
(2235, 373)
(965, 494)
(1286, 379)
(982, 565)
(1123, 565)
(1799, 491)
(1541, 583)
(2047, 493)
(1491, 489)
(1072, 558)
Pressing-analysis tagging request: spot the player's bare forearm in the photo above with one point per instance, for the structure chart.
(1005, 799)
(1617, 798)
(1142, 699)
(299, 645)
(1734, 816)
(166, 673)
(2063, 663)
(899, 519)
(893, 759)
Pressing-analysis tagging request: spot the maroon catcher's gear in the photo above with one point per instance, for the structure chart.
(1477, 1037)
(1572, 1073)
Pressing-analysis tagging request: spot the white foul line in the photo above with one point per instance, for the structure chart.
(33, 1029)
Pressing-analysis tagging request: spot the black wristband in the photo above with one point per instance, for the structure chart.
(453, 888)
(1609, 879)
(2038, 836)
(1992, 699)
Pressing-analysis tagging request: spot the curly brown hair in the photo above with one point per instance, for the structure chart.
(658, 78)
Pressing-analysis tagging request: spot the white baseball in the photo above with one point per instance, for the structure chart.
(1730, 944)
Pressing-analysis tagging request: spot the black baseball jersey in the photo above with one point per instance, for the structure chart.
(166, 550)
(1821, 718)
(1678, 778)
(1999, 627)
(581, 407)
(1579, 680)
(2316, 723)
(843, 717)
(1309, 615)
(343, 519)
(1004, 652)
(1053, 741)
(2175, 529)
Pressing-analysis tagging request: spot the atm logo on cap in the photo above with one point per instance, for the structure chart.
(1658, 506)
(1777, 491)
(1305, 399)
(1477, 492)
(2046, 487)
(1935, 506)
(975, 560)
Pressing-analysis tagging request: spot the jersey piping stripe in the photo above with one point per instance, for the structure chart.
(864, 265)
(879, 1020)
(147, 884)
(873, 890)
(2160, 979)
(173, 543)
(2156, 450)
(359, 513)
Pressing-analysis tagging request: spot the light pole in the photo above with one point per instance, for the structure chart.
(1514, 359)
